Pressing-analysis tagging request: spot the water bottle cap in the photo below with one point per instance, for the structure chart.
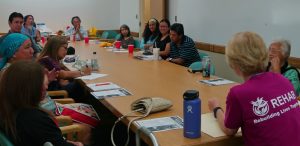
(190, 94)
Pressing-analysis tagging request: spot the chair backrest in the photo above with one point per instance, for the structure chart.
(104, 35)
(118, 36)
(136, 43)
(4, 140)
(202, 54)
(198, 66)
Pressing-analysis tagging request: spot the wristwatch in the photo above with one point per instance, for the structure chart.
(216, 110)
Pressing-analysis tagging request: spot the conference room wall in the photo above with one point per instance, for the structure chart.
(103, 14)
(129, 14)
(215, 21)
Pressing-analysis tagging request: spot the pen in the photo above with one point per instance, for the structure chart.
(101, 84)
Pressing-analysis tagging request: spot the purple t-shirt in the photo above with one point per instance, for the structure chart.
(267, 110)
(50, 63)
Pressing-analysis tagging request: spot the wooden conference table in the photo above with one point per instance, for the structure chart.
(154, 78)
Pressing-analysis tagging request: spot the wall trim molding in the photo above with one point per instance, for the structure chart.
(294, 61)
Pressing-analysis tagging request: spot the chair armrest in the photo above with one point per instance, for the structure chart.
(70, 129)
(64, 120)
(64, 100)
(58, 93)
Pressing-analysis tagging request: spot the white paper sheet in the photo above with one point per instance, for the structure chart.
(210, 126)
(120, 50)
(216, 82)
(161, 124)
(103, 86)
(92, 76)
(144, 57)
(111, 93)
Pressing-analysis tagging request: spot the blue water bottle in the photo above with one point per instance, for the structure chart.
(191, 114)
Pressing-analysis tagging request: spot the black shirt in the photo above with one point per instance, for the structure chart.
(161, 44)
(35, 127)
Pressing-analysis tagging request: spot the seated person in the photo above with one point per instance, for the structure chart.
(150, 34)
(163, 38)
(77, 30)
(17, 47)
(29, 29)
(55, 50)
(23, 86)
(126, 38)
(14, 47)
(183, 51)
(15, 22)
(256, 106)
(279, 53)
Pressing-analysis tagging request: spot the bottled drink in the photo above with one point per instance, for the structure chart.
(191, 114)
(94, 62)
(206, 66)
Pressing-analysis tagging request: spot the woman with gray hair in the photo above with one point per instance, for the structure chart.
(263, 102)
(279, 53)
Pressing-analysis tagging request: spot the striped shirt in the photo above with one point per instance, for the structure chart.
(185, 50)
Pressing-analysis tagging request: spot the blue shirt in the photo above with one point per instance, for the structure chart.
(71, 31)
(185, 50)
(150, 42)
(29, 32)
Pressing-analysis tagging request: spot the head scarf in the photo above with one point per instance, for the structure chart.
(9, 46)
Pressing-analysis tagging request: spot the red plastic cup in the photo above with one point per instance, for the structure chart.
(86, 40)
(118, 44)
(43, 39)
(130, 49)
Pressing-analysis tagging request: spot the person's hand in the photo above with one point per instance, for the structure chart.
(75, 143)
(52, 75)
(275, 64)
(87, 70)
(63, 82)
(77, 29)
(148, 46)
(213, 103)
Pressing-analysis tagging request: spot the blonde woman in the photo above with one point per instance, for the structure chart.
(265, 105)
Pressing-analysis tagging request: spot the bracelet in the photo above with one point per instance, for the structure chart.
(216, 110)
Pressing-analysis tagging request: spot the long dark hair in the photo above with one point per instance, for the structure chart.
(21, 87)
(52, 46)
(125, 27)
(147, 32)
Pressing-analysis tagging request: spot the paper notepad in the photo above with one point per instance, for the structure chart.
(144, 57)
(210, 126)
(92, 76)
(161, 124)
(120, 50)
(111, 93)
(103, 86)
(216, 82)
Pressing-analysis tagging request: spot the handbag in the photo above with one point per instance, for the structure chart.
(145, 105)
(151, 104)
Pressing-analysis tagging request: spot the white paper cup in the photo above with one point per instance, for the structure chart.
(156, 53)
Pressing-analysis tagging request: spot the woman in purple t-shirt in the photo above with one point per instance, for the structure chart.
(55, 50)
(265, 105)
